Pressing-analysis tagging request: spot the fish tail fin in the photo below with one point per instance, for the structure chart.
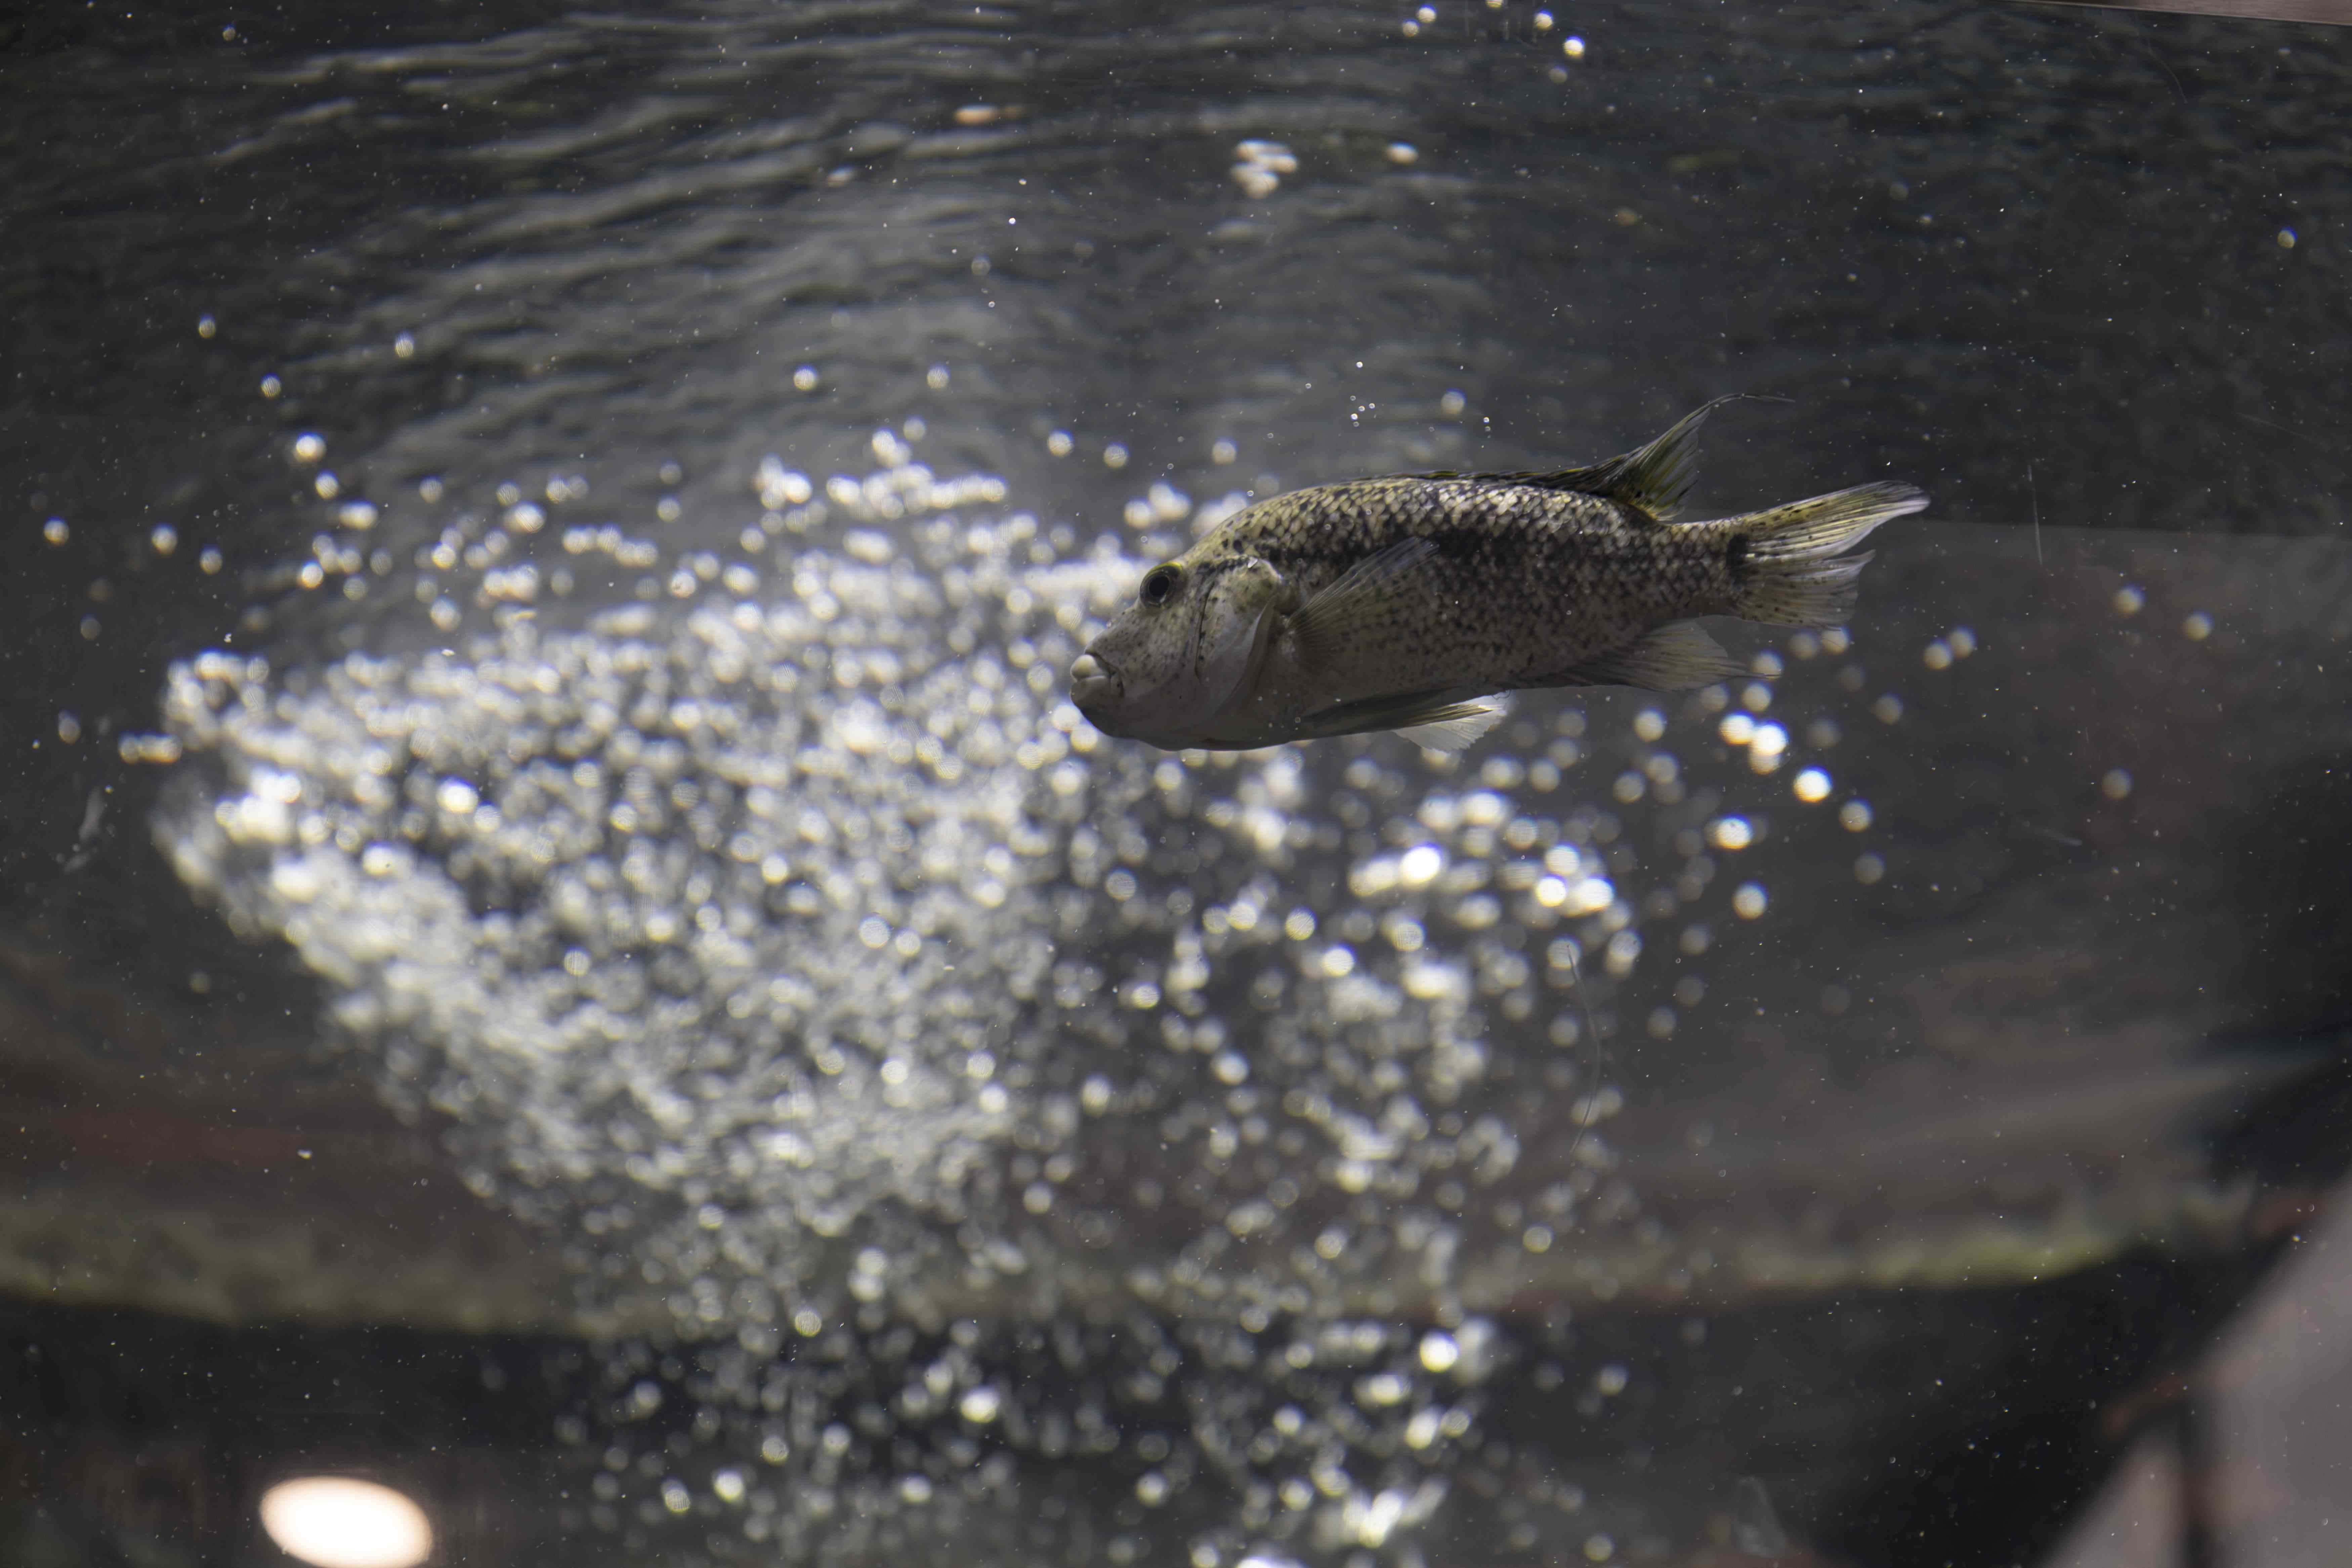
(1786, 559)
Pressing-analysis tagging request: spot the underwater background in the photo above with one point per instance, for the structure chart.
(563, 946)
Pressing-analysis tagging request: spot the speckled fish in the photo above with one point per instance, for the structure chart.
(1400, 602)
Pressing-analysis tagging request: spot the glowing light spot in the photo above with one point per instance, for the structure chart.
(2286, 239)
(1854, 816)
(403, 346)
(1224, 452)
(1599, 1548)
(1887, 709)
(1536, 1238)
(1574, 48)
(56, 532)
(1730, 833)
(2128, 600)
(1114, 456)
(1748, 902)
(1439, 1351)
(2115, 784)
(1610, 1380)
(1060, 442)
(805, 378)
(1402, 153)
(457, 797)
(1937, 654)
(1868, 869)
(979, 1405)
(339, 1521)
(1589, 896)
(1338, 961)
(1419, 865)
(1736, 728)
(2198, 626)
(310, 446)
(1812, 785)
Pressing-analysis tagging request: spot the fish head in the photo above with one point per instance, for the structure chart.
(1186, 651)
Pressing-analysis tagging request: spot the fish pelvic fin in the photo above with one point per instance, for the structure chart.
(1438, 721)
(1677, 657)
(1455, 728)
(1786, 559)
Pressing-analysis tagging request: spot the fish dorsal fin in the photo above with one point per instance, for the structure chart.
(1676, 657)
(1357, 596)
(1651, 479)
(1440, 720)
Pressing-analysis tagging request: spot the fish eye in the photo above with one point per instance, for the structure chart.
(1159, 584)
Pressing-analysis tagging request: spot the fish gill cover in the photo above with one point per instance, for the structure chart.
(791, 946)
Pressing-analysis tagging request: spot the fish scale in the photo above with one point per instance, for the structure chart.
(1397, 603)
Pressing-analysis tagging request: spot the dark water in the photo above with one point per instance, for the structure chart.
(546, 543)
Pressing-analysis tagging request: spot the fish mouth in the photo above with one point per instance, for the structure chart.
(1093, 683)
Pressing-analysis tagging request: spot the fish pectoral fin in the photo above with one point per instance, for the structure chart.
(1676, 657)
(1226, 669)
(1355, 597)
(1438, 719)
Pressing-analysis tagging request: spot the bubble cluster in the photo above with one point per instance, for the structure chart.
(782, 937)
(1259, 165)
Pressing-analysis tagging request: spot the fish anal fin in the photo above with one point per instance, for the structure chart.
(1677, 656)
(1354, 599)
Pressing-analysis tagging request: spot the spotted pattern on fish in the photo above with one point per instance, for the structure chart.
(1377, 603)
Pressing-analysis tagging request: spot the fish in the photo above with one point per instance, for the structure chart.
(1408, 601)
